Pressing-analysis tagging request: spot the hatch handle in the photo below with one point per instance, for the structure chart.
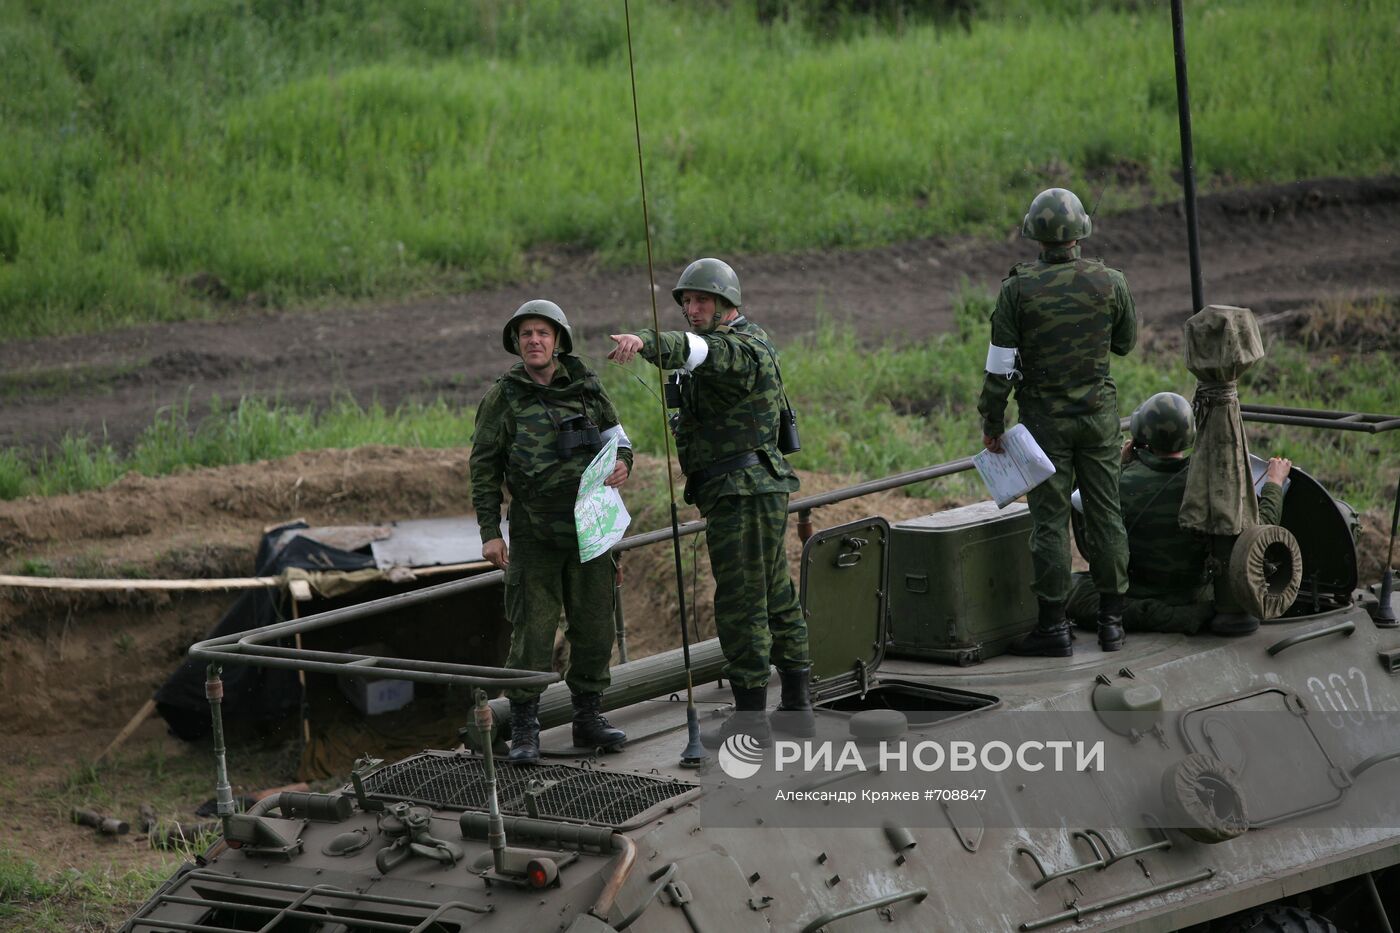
(659, 879)
(831, 916)
(1374, 760)
(1345, 627)
(1112, 857)
(1046, 877)
(852, 557)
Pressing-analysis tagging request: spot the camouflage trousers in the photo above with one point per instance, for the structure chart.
(1085, 449)
(1187, 611)
(757, 615)
(541, 582)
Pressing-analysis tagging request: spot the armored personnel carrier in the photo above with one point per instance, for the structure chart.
(1196, 782)
(1206, 783)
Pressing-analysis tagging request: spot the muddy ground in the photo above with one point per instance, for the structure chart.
(1270, 249)
(74, 668)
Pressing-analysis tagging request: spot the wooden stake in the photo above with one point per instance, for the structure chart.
(300, 590)
(79, 583)
(141, 716)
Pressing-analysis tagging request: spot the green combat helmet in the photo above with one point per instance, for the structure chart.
(1056, 216)
(709, 275)
(1164, 424)
(539, 307)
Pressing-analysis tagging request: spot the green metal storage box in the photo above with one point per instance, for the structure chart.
(960, 583)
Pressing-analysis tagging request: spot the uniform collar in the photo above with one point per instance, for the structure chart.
(1160, 464)
(1059, 253)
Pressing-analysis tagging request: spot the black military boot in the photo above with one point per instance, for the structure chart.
(524, 732)
(591, 727)
(1111, 621)
(1050, 638)
(750, 717)
(794, 714)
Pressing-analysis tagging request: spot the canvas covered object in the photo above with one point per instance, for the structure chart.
(1221, 344)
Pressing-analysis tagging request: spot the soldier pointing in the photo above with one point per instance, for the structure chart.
(727, 429)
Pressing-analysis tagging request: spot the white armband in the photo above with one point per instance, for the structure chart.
(616, 431)
(1001, 361)
(698, 352)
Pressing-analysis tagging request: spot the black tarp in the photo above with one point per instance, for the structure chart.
(252, 694)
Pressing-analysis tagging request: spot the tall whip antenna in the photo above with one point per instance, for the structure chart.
(694, 754)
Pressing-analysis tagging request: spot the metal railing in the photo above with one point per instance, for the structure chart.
(258, 647)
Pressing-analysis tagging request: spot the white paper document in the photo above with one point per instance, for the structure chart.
(1258, 466)
(1021, 467)
(600, 517)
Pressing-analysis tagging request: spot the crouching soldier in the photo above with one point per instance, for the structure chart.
(1168, 586)
(537, 429)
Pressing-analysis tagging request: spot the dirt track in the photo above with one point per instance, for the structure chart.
(1270, 249)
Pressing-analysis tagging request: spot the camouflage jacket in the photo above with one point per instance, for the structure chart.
(730, 400)
(1164, 559)
(1061, 315)
(514, 444)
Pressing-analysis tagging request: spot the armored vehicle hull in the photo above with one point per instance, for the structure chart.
(1202, 778)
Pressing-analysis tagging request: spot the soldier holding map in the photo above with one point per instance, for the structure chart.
(537, 429)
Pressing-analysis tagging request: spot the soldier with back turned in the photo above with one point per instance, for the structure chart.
(1056, 321)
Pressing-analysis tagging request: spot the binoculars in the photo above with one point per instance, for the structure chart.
(577, 433)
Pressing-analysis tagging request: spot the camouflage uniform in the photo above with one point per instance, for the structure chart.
(515, 444)
(1062, 315)
(729, 409)
(1167, 586)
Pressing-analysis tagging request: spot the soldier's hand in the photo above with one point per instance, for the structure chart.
(628, 346)
(1278, 470)
(619, 474)
(1128, 453)
(496, 552)
(993, 443)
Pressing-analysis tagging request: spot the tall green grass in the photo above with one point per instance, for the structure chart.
(250, 429)
(350, 148)
(862, 413)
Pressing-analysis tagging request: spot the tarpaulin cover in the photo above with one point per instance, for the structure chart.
(253, 693)
(1222, 342)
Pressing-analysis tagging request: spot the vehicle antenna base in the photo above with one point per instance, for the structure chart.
(694, 755)
(1384, 614)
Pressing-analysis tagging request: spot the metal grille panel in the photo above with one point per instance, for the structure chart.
(567, 792)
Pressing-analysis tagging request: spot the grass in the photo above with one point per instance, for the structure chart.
(862, 412)
(177, 158)
(73, 899)
(38, 893)
(249, 430)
